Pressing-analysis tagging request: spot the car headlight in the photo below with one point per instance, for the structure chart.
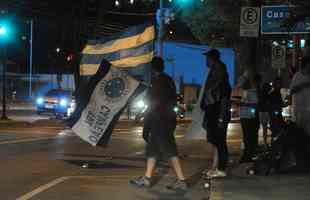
(63, 102)
(40, 100)
(176, 109)
(140, 104)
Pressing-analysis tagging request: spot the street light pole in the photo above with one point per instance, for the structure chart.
(4, 117)
(160, 29)
(30, 59)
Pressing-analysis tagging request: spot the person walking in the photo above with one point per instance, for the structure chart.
(249, 115)
(264, 109)
(300, 92)
(276, 107)
(216, 105)
(161, 126)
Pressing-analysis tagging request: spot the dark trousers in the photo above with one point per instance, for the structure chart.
(250, 129)
(217, 135)
(221, 145)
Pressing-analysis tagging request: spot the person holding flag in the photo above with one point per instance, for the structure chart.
(162, 124)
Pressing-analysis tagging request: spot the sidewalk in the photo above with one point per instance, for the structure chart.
(274, 187)
(19, 106)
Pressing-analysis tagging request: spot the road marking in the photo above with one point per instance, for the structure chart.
(57, 181)
(43, 188)
(28, 140)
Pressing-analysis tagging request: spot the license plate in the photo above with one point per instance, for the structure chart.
(49, 106)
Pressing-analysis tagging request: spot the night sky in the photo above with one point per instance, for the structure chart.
(52, 32)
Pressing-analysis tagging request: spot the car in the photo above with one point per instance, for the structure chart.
(59, 102)
(140, 106)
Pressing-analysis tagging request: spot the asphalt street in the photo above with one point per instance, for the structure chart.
(46, 165)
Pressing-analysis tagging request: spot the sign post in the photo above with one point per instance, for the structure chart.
(278, 58)
(249, 21)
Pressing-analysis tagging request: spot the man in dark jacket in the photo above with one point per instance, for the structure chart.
(161, 123)
(216, 104)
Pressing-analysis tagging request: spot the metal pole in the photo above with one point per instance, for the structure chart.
(160, 29)
(30, 59)
(4, 117)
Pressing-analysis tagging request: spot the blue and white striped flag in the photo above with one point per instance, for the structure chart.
(130, 49)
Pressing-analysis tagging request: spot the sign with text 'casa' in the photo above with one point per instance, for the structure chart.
(274, 18)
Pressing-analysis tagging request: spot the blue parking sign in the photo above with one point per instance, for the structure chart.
(273, 19)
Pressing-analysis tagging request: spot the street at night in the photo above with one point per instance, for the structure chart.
(53, 163)
(154, 100)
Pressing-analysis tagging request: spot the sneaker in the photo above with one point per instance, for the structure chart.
(218, 174)
(179, 185)
(141, 181)
(208, 172)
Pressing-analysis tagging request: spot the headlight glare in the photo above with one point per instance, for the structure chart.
(140, 104)
(63, 102)
(40, 100)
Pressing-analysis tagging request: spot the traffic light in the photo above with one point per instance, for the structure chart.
(183, 2)
(6, 31)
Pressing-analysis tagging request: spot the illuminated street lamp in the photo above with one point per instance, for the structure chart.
(3, 30)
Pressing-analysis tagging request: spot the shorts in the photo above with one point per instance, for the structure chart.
(264, 118)
(161, 142)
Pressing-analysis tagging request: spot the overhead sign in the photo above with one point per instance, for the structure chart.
(249, 21)
(273, 21)
(278, 57)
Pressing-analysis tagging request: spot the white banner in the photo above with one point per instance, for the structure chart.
(107, 100)
(196, 131)
(249, 21)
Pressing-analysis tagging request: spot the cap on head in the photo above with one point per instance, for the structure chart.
(213, 53)
(157, 64)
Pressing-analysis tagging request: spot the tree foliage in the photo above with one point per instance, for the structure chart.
(212, 20)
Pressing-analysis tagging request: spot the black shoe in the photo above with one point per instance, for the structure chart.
(179, 185)
(140, 182)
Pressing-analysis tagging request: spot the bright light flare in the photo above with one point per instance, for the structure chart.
(3, 30)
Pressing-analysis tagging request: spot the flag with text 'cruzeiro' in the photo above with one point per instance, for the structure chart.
(105, 105)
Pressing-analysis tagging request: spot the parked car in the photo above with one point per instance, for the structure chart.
(56, 101)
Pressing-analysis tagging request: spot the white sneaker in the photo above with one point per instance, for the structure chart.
(208, 172)
(218, 174)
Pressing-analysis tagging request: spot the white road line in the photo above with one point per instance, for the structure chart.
(51, 184)
(42, 188)
(27, 140)
(57, 181)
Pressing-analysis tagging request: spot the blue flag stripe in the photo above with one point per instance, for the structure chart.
(126, 53)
